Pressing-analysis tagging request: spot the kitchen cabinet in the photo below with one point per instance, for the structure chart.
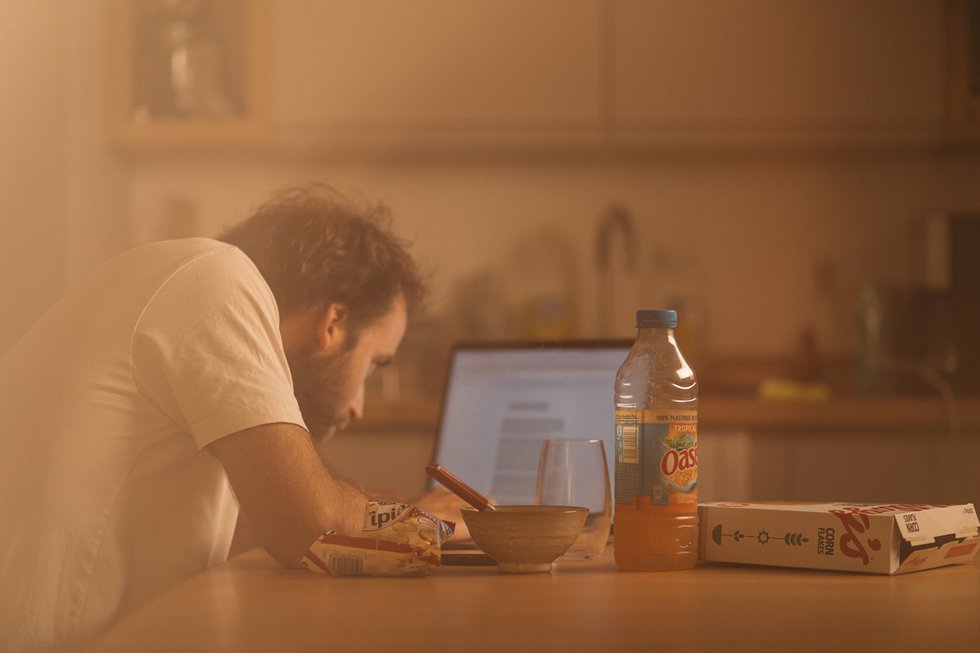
(186, 74)
(337, 75)
(759, 71)
(342, 76)
(400, 75)
(921, 466)
(964, 70)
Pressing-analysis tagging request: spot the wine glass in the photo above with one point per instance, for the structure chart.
(573, 472)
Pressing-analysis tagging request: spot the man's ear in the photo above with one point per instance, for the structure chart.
(332, 327)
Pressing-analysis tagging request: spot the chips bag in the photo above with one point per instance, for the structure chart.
(398, 539)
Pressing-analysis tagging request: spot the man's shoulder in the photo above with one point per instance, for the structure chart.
(185, 249)
(176, 270)
(190, 255)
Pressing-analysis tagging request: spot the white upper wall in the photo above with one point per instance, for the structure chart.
(32, 164)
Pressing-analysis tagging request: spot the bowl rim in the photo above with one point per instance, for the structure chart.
(530, 508)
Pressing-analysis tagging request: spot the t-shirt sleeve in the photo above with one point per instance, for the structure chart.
(208, 352)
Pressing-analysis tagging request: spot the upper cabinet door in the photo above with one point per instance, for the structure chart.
(764, 71)
(376, 73)
(964, 70)
(186, 74)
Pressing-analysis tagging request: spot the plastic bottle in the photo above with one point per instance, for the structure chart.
(656, 515)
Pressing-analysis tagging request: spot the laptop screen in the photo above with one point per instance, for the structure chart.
(502, 400)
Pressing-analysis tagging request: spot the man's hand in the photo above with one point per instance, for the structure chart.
(445, 505)
(287, 496)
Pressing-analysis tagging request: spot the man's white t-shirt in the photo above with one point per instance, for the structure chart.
(107, 493)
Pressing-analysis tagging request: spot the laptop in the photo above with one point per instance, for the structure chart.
(502, 399)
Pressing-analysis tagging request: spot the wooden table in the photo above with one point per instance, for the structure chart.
(253, 604)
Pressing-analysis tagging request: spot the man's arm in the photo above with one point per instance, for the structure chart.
(287, 495)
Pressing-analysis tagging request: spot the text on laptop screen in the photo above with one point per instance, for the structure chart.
(500, 403)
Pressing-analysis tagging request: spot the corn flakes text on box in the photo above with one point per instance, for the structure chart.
(872, 538)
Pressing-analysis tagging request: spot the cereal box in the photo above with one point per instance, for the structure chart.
(872, 538)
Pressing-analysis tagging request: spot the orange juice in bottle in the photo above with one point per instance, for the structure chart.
(655, 525)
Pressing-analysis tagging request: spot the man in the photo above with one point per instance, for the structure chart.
(170, 371)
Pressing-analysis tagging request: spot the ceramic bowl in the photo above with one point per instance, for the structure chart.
(525, 539)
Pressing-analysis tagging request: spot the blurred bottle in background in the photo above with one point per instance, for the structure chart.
(181, 62)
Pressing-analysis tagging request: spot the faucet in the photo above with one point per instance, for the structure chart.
(616, 220)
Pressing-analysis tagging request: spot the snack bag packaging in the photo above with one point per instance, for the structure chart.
(398, 539)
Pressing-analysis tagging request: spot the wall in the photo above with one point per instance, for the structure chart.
(61, 191)
(96, 195)
(744, 232)
(32, 168)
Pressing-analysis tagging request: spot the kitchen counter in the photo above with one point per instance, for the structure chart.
(857, 413)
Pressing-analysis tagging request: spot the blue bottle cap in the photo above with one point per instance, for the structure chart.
(656, 319)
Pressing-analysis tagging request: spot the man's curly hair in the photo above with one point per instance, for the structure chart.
(315, 247)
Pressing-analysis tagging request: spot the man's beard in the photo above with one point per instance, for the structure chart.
(324, 388)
